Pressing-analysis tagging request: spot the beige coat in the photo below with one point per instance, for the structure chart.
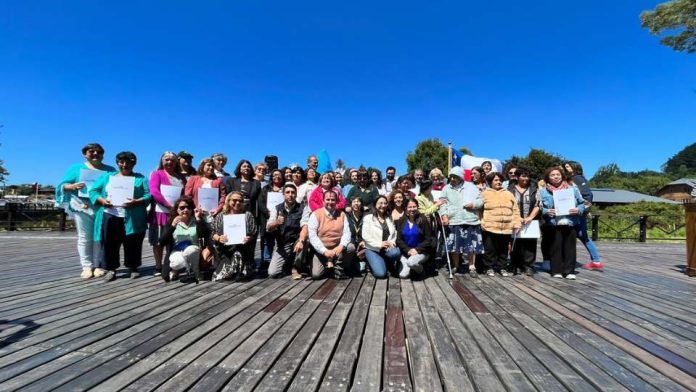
(501, 214)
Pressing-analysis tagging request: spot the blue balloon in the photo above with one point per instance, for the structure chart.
(324, 161)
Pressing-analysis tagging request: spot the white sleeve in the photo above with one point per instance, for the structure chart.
(313, 226)
(272, 218)
(345, 238)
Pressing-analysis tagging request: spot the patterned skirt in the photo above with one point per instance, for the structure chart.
(464, 239)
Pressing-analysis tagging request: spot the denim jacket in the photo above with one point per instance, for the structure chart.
(546, 203)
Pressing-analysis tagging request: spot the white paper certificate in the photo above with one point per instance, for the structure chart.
(120, 189)
(471, 192)
(234, 227)
(208, 198)
(274, 198)
(88, 177)
(530, 230)
(563, 201)
(171, 194)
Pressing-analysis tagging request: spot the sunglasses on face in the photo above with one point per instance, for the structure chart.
(512, 173)
(183, 208)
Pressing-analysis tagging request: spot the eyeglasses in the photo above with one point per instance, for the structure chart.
(236, 201)
(182, 208)
(512, 173)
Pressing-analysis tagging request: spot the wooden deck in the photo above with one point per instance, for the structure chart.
(632, 327)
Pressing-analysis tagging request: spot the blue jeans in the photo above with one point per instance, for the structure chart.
(379, 260)
(581, 230)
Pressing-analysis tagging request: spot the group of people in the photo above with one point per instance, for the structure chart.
(317, 224)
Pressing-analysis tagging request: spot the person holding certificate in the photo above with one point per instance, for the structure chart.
(501, 218)
(212, 198)
(166, 186)
(234, 231)
(271, 196)
(461, 216)
(561, 205)
(122, 198)
(245, 183)
(523, 254)
(72, 194)
(327, 183)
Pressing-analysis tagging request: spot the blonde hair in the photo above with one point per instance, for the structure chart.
(226, 209)
(436, 172)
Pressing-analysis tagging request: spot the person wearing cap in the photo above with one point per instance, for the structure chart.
(186, 164)
(121, 225)
(285, 224)
(461, 217)
(72, 195)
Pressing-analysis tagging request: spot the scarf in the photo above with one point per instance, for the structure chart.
(551, 188)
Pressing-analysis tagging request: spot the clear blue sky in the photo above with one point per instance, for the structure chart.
(365, 80)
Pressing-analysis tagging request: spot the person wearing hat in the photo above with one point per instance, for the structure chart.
(461, 216)
(284, 222)
(186, 164)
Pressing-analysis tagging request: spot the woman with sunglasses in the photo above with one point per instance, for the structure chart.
(124, 224)
(180, 238)
(234, 260)
(168, 173)
(72, 194)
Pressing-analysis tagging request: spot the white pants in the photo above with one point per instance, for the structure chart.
(90, 251)
(191, 257)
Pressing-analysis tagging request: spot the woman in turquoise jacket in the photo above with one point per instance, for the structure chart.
(72, 194)
(124, 224)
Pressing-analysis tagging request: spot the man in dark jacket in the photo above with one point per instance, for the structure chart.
(284, 221)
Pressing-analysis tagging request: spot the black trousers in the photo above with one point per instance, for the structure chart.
(523, 255)
(113, 236)
(496, 250)
(546, 239)
(562, 250)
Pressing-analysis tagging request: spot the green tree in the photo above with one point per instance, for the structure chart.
(3, 172)
(537, 161)
(430, 154)
(676, 17)
(644, 181)
(682, 163)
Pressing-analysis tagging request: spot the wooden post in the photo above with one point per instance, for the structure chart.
(643, 228)
(61, 221)
(11, 212)
(595, 228)
(690, 209)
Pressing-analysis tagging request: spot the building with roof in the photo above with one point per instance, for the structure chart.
(681, 190)
(604, 197)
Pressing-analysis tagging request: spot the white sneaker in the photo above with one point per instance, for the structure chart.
(558, 276)
(99, 272)
(405, 271)
(570, 276)
(86, 273)
(504, 273)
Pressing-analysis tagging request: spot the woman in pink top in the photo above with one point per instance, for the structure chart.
(167, 174)
(327, 182)
(205, 178)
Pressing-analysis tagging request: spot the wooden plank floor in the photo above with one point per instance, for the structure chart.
(629, 328)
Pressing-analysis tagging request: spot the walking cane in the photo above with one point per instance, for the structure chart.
(449, 263)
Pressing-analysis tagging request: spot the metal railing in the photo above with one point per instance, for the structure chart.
(33, 216)
(640, 228)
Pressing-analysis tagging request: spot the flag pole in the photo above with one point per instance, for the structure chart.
(449, 157)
